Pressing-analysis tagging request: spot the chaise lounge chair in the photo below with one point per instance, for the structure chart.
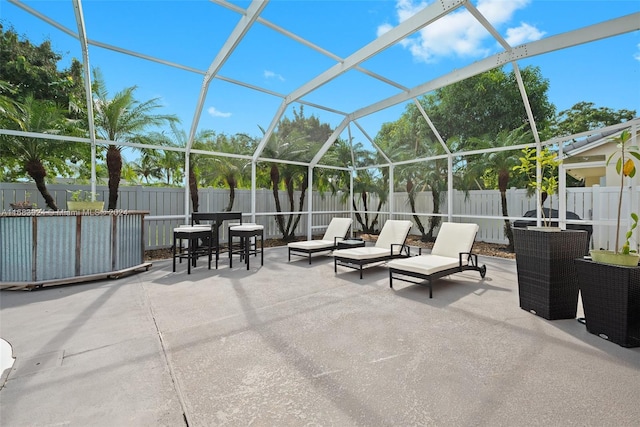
(337, 230)
(451, 254)
(390, 244)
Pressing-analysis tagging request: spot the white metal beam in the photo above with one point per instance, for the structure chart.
(433, 128)
(272, 126)
(336, 133)
(611, 28)
(421, 19)
(82, 37)
(308, 44)
(238, 33)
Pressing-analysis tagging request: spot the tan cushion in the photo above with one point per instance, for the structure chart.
(368, 252)
(312, 244)
(394, 232)
(454, 238)
(425, 264)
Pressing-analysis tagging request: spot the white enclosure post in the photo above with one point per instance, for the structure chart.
(350, 202)
(391, 201)
(253, 191)
(562, 192)
(310, 204)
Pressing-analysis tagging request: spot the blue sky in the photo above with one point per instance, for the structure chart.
(190, 33)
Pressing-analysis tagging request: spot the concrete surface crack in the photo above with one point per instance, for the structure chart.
(174, 378)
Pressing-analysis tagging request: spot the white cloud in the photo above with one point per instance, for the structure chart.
(636, 56)
(215, 113)
(271, 75)
(459, 33)
(522, 34)
(383, 29)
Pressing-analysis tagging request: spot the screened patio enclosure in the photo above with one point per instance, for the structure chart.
(348, 90)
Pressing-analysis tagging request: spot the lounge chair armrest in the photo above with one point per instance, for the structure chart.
(402, 247)
(471, 258)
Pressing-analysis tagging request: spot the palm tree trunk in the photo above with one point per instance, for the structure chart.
(231, 180)
(275, 179)
(36, 170)
(357, 214)
(412, 203)
(507, 224)
(375, 218)
(193, 190)
(303, 192)
(114, 166)
(365, 196)
(434, 221)
(292, 207)
(232, 198)
(503, 182)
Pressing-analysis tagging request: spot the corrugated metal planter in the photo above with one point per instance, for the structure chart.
(62, 247)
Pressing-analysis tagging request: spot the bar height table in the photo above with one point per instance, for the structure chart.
(216, 219)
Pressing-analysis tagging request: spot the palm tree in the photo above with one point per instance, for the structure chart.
(147, 167)
(170, 164)
(231, 171)
(366, 182)
(292, 146)
(409, 138)
(36, 154)
(498, 165)
(122, 118)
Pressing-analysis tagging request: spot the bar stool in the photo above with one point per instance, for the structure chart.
(247, 247)
(192, 235)
(201, 249)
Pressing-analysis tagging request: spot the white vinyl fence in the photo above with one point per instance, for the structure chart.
(595, 205)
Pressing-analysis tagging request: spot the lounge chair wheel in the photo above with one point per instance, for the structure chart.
(483, 271)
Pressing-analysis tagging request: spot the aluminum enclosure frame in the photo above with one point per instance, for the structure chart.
(423, 18)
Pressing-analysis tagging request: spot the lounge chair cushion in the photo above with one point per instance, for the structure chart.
(310, 245)
(394, 232)
(454, 238)
(338, 227)
(369, 252)
(426, 264)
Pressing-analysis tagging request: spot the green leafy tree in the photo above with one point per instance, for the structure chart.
(488, 104)
(122, 118)
(548, 161)
(585, 116)
(33, 71)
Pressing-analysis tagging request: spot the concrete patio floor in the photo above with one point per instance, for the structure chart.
(289, 344)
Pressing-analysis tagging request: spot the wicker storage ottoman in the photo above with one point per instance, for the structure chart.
(611, 301)
(547, 279)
